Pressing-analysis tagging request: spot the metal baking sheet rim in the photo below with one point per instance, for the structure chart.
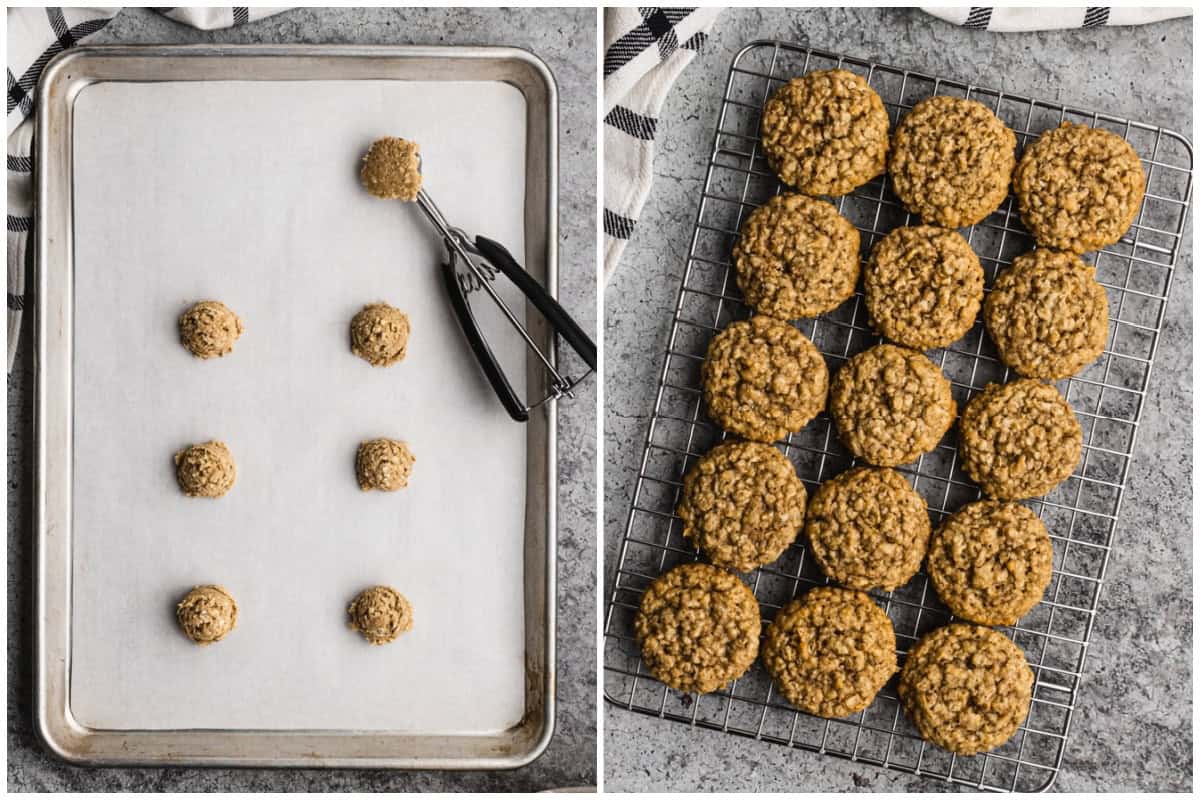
(55, 725)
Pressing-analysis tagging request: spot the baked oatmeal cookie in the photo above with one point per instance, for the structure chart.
(796, 257)
(763, 379)
(966, 688)
(991, 561)
(831, 651)
(952, 161)
(890, 404)
(825, 132)
(1019, 439)
(868, 529)
(1047, 314)
(923, 286)
(699, 628)
(742, 505)
(1079, 188)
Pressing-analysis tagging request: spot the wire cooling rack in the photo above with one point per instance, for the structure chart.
(1081, 514)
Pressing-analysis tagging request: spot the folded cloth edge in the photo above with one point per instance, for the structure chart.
(1005, 19)
(634, 94)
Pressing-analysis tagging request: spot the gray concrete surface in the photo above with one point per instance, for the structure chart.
(565, 39)
(1132, 727)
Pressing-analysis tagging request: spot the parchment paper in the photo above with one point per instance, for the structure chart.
(248, 193)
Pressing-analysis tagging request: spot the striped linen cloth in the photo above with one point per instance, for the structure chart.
(1008, 20)
(645, 50)
(36, 35)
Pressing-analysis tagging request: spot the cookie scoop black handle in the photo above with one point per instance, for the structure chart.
(483, 354)
(558, 318)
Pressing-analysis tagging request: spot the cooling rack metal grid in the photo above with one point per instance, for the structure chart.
(1081, 514)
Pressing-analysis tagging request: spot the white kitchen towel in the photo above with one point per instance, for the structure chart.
(645, 50)
(208, 18)
(1007, 20)
(36, 35)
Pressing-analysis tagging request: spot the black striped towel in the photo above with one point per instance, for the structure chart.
(1049, 19)
(36, 35)
(645, 49)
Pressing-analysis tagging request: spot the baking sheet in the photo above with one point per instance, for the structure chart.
(247, 192)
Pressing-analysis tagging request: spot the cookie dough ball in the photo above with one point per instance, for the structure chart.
(1048, 315)
(1019, 439)
(698, 627)
(763, 379)
(890, 404)
(208, 329)
(831, 651)
(391, 169)
(796, 257)
(923, 286)
(825, 132)
(742, 505)
(383, 464)
(380, 614)
(207, 614)
(991, 562)
(205, 470)
(379, 335)
(952, 161)
(966, 688)
(868, 529)
(1079, 188)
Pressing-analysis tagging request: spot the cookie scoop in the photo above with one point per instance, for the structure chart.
(392, 169)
